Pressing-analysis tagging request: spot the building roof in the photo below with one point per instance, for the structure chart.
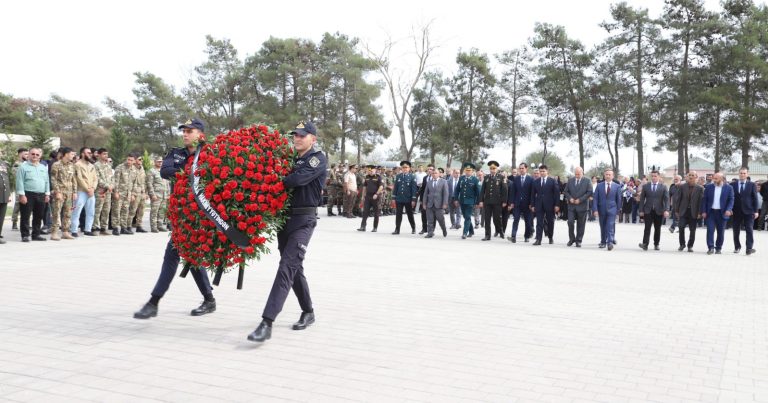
(696, 164)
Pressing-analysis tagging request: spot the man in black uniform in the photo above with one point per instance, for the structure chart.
(493, 197)
(193, 132)
(306, 180)
(373, 186)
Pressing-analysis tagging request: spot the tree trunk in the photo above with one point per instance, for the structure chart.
(717, 139)
(639, 104)
(746, 129)
(608, 143)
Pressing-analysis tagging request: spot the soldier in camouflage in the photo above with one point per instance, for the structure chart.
(64, 191)
(136, 214)
(121, 196)
(158, 190)
(103, 192)
(335, 190)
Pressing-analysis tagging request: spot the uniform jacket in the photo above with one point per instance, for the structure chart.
(657, 201)
(436, 193)
(606, 204)
(5, 183)
(123, 180)
(468, 190)
(682, 199)
(307, 179)
(545, 197)
(105, 175)
(63, 178)
(726, 199)
(156, 185)
(582, 193)
(405, 188)
(494, 189)
(745, 202)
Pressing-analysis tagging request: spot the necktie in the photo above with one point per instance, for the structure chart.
(608, 189)
(742, 188)
(434, 184)
(577, 182)
(653, 188)
(542, 182)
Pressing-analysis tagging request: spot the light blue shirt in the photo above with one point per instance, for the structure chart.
(32, 178)
(716, 202)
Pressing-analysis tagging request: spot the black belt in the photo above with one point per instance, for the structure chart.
(303, 211)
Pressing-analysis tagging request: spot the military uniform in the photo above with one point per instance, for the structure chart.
(493, 196)
(360, 177)
(16, 205)
(389, 184)
(158, 190)
(6, 190)
(136, 213)
(63, 186)
(405, 193)
(467, 194)
(335, 191)
(103, 195)
(123, 189)
(372, 186)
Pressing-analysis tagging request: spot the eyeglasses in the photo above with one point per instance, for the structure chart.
(34, 154)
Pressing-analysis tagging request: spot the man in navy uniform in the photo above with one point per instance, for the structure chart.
(307, 180)
(745, 209)
(519, 202)
(193, 132)
(545, 199)
(466, 195)
(405, 194)
(493, 198)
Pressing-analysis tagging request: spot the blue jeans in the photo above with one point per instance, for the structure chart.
(83, 200)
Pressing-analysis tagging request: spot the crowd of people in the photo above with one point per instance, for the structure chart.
(74, 193)
(475, 199)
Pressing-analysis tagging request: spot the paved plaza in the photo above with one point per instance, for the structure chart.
(399, 318)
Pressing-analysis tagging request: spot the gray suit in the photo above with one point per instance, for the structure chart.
(581, 192)
(687, 205)
(653, 203)
(436, 199)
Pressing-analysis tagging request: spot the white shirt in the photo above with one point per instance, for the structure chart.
(350, 180)
(420, 177)
(716, 202)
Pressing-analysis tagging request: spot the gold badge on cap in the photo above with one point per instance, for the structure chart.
(188, 122)
(300, 125)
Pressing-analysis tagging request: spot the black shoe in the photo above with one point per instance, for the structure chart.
(551, 241)
(750, 251)
(429, 236)
(672, 229)
(206, 307)
(578, 244)
(656, 247)
(513, 239)
(162, 230)
(116, 232)
(681, 248)
(129, 231)
(486, 238)
(330, 214)
(75, 234)
(262, 333)
(690, 250)
(373, 230)
(140, 230)
(38, 238)
(463, 236)
(537, 243)
(45, 231)
(413, 231)
(306, 319)
(146, 312)
(124, 231)
(737, 250)
(710, 251)
(570, 243)
(601, 246)
(25, 239)
(422, 232)
(445, 233)
(396, 232)
(643, 246)
(89, 233)
(527, 239)
(610, 246)
(362, 229)
(15, 227)
(718, 252)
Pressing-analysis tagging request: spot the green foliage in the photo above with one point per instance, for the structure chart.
(119, 145)
(41, 136)
(146, 161)
(555, 164)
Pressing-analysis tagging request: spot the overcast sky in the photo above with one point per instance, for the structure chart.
(86, 50)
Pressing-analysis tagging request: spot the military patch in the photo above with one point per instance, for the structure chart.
(314, 162)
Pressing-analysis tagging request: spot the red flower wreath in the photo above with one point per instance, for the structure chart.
(241, 174)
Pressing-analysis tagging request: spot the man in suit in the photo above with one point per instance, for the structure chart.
(545, 197)
(578, 190)
(716, 209)
(420, 198)
(654, 206)
(686, 205)
(453, 209)
(493, 198)
(744, 210)
(405, 193)
(606, 202)
(466, 195)
(506, 212)
(519, 200)
(436, 200)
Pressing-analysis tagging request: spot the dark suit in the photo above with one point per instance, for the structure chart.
(607, 204)
(544, 198)
(581, 191)
(654, 202)
(421, 208)
(453, 211)
(520, 196)
(744, 209)
(687, 206)
(716, 218)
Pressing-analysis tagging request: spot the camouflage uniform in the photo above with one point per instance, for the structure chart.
(62, 183)
(158, 188)
(123, 180)
(137, 205)
(16, 204)
(356, 209)
(335, 191)
(103, 195)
